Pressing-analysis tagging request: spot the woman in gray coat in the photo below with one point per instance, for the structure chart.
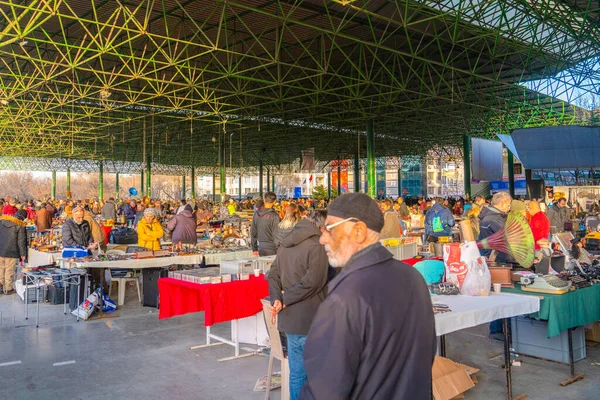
(298, 286)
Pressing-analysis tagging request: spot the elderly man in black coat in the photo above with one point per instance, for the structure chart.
(374, 335)
(77, 232)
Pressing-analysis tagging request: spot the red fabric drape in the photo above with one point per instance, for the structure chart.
(220, 302)
(413, 261)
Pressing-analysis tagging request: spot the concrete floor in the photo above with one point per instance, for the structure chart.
(135, 356)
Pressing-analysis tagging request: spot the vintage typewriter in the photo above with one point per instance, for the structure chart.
(545, 284)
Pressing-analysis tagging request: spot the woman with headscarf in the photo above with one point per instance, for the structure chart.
(538, 222)
(149, 230)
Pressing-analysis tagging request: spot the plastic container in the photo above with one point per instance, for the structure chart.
(529, 337)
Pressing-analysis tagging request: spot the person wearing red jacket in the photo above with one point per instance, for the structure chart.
(538, 222)
(10, 208)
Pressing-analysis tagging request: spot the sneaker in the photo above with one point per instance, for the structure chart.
(497, 336)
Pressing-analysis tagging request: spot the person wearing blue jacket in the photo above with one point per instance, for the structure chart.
(438, 221)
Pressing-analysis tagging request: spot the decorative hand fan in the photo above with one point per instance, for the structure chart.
(515, 239)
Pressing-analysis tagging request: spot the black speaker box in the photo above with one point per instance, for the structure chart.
(150, 286)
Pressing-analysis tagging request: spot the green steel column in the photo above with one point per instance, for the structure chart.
(53, 184)
(223, 177)
(142, 182)
(339, 180)
(371, 181)
(399, 182)
(511, 174)
(183, 186)
(467, 164)
(223, 181)
(68, 182)
(356, 173)
(148, 177)
(329, 184)
(240, 186)
(117, 186)
(100, 180)
(193, 183)
(214, 194)
(268, 180)
(260, 178)
(273, 182)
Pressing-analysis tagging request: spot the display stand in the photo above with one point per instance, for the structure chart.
(235, 343)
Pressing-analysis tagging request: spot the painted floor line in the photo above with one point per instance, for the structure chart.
(58, 364)
(6, 364)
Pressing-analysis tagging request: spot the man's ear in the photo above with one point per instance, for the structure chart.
(360, 232)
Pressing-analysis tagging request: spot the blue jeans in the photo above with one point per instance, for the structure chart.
(295, 346)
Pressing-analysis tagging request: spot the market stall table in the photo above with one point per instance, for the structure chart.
(142, 263)
(220, 302)
(566, 312)
(470, 311)
(36, 279)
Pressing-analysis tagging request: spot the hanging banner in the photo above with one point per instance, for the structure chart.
(344, 175)
(486, 163)
(308, 159)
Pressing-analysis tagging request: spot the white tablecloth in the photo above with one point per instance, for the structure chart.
(36, 258)
(469, 311)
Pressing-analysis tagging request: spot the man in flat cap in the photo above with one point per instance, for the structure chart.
(374, 335)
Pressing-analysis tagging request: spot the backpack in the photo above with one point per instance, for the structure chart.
(437, 225)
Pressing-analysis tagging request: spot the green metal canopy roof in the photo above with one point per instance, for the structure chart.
(175, 79)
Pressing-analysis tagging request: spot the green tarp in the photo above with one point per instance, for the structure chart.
(568, 310)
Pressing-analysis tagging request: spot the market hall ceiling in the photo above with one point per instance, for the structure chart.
(175, 79)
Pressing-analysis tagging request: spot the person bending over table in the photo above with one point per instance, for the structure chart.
(149, 231)
(77, 232)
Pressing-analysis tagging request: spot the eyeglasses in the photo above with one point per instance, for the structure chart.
(329, 228)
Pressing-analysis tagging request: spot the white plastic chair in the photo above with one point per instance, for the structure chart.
(276, 352)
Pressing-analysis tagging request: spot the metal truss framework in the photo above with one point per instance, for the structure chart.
(174, 80)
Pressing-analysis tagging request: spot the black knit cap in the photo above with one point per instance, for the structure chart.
(359, 206)
(21, 214)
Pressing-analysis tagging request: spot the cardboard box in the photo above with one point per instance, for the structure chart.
(592, 332)
(450, 379)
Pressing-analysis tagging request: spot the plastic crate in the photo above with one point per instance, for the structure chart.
(56, 295)
(30, 296)
(264, 263)
(529, 337)
(241, 266)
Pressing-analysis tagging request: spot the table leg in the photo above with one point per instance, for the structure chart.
(37, 298)
(507, 359)
(26, 297)
(443, 346)
(64, 295)
(78, 297)
(574, 378)
(571, 362)
(236, 339)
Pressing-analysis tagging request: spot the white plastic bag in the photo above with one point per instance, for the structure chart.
(88, 306)
(478, 281)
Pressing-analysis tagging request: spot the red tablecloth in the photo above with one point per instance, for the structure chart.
(413, 261)
(220, 302)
